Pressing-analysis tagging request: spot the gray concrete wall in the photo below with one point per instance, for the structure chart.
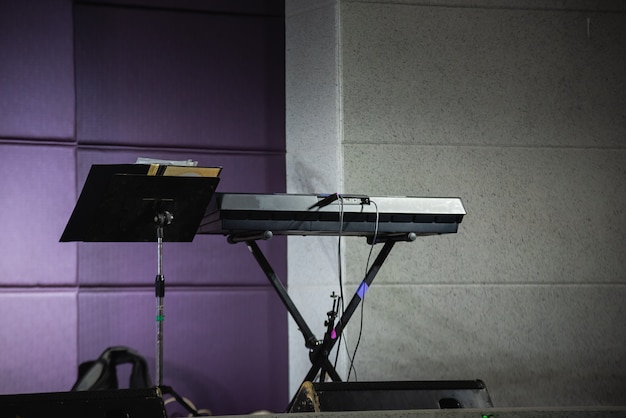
(521, 112)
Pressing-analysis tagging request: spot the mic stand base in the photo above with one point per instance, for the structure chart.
(167, 390)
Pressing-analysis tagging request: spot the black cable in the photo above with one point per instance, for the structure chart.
(358, 342)
(341, 297)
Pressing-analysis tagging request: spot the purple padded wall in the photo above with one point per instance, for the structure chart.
(38, 340)
(223, 349)
(194, 84)
(36, 70)
(38, 306)
(38, 193)
(162, 78)
(181, 85)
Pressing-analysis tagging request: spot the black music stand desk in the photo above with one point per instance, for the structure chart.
(118, 203)
(125, 203)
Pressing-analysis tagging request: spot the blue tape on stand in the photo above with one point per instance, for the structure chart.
(363, 288)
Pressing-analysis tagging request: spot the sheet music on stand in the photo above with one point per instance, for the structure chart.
(183, 163)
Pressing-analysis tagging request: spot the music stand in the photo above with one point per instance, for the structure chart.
(120, 203)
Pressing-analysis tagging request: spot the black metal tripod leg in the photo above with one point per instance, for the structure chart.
(167, 390)
(310, 341)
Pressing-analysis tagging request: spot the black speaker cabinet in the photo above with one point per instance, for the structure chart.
(400, 395)
(121, 403)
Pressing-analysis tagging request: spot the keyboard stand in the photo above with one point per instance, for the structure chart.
(320, 350)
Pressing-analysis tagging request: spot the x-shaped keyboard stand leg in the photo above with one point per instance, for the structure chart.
(320, 350)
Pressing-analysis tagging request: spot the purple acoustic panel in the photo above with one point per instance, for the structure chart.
(36, 70)
(38, 189)
(225, 349)
(37, 341)
(161, 77)
(208, 259)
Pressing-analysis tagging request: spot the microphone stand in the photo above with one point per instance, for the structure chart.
(162, 219)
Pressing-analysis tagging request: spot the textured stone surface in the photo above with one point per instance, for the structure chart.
(520, 112)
